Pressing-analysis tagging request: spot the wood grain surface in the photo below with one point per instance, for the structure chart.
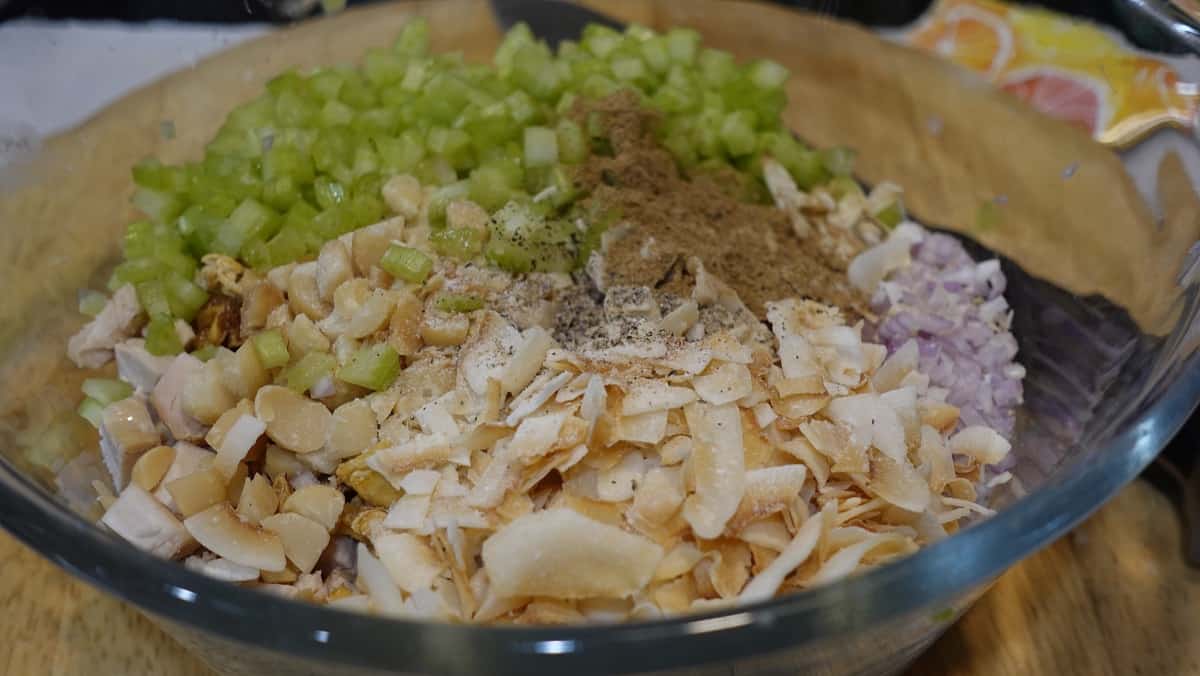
(1113, 598)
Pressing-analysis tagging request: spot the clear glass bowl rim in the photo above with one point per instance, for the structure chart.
(931, 578)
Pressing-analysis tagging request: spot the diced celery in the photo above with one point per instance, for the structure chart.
(517, 37)
(460, 243)
(308, 370)
(767, 74)
(508, 256)
(282, 160)
(411, 265)
(414, 38)
(890, 215)
(329, 193)
(600, 40)
(152, 296)
(335, 113)
(281, 193)
(91, 411)
(382, 67)
(373, 367)
(541, 147)
(161, 338)
(271, 348)
(521, 106)
(184, 297)
(682, 45)
(455, 302)
(91, 303)
(403, 153)
(628, 68)
(326, 83)
(572, 144)
(454, 145)
(106, 390)
(838, 161)
(443, 196)
(159, 205)
(808, 169)
(737, 133)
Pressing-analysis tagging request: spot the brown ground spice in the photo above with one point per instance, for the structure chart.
(749, 246)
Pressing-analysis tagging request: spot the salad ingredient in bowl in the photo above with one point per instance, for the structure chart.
(577, 336)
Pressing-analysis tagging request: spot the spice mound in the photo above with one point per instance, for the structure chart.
(667, 218)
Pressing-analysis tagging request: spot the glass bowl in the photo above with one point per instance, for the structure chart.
(1110, 379)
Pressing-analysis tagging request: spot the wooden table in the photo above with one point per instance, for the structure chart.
(1112, 598)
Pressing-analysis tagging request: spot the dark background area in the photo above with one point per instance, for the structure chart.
(875, 12)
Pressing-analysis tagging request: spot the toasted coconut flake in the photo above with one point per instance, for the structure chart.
(939, 414)
(676, 596)
(901, 363)
(718, 464)
(220, 531)
(420, 482)
(617, 483)
(126, 432)
(537, 435)
(675, 450)
(258, 500)
(679, 561)
(644, 395)
(408, 513)
(967, 504)
(767, 583)
(769, 533)
(595, 400)
(659, 496)
(836, 443)
(725, 384)
(409, 560)
(486, 354)
(936, 457)
(145, 523)
(374, 578)
(560, 554)
(768, 490)
(237, 442)
(899, 483)
(303, 539)
(221, 569)
(321, 503)
(426, 450)
(903, 400)
(871, 423)
(497, 478)
(527, 360)
(435, 418)
(730, 569)
(644, 428)
(847, 560)
(982, 444)
(533, 397)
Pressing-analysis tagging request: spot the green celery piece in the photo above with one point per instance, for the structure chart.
(460, 243)
(456, 302)
(373, 367)
(106, 390)
(406, 263)
(541, 147)
(161, 338)
(309, 369)
(91, 411)
(271, 348)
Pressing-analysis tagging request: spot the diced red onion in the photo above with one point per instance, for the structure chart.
(955, 309)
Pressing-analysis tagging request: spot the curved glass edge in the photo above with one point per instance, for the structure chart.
(260, 621)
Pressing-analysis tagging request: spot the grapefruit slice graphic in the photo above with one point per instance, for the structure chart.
(1073, 98)
(971, 37)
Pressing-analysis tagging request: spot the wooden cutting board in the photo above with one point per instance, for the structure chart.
(1113, 598)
